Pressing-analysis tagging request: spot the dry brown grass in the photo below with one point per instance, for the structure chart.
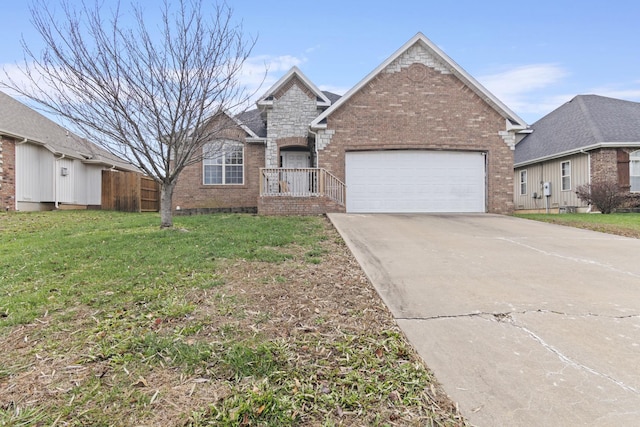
(320, 317)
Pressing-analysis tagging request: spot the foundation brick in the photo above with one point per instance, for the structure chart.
(7, 174)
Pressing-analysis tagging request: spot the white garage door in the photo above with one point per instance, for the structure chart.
(415, 181)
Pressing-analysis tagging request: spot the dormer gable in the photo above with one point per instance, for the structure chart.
(294, 77)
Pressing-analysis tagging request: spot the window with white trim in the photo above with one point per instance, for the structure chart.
(634, 171)
(523, 182)
(223, 163)
(565, 173)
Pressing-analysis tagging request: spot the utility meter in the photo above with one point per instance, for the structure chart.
(546, 189)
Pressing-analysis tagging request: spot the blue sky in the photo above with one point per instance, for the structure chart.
(533, 55)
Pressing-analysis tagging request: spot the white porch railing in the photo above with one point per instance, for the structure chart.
(301, 182)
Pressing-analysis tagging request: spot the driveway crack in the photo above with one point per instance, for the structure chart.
(506, 317)
(572, 362)
(502, 316)
(570, 258)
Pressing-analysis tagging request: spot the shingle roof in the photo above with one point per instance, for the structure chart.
(333, 97)
(253, 120)
(20, 121)
(582, 123)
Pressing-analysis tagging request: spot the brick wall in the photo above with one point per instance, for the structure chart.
(414, 106)
(7, 174)
(604, 164)
(190, 192)
(297, 206)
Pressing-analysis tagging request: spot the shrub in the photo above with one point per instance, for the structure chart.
(606, 196)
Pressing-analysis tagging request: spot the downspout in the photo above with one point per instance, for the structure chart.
(315, 146)
(56, 177)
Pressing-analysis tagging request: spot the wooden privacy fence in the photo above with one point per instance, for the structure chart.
(129, 192)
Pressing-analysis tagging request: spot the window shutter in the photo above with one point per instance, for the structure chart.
(623, 170)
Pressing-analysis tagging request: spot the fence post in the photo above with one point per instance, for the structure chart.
(322, 182)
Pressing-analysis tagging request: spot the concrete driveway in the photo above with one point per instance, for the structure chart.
(524, 323)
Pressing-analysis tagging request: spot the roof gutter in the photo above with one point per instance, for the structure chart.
(577, 151)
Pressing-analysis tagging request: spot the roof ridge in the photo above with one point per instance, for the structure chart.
(595, 131)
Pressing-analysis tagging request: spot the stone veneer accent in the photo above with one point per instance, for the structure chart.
(417, 54)
(289, 117)
(323, 138)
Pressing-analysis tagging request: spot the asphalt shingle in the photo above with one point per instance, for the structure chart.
(21, 121)
(584, 121)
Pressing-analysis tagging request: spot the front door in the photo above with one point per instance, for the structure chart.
(297, 182)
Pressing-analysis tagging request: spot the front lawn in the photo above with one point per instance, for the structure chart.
(622, 224)
(224, 320)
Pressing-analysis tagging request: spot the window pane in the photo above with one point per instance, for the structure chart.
(233, 175)
(234, 156)
(523, 182)
(212, 174)
(222, 163)
(635, 183)
(566, 175)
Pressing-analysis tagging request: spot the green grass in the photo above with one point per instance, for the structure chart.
(113, 315)
(624, 224)
(52, 261)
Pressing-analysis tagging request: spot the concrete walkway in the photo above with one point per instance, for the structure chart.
(524, 323)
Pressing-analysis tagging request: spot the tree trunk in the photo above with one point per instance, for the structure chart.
(166, 197)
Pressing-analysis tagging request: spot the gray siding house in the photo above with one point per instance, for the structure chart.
(589, 139)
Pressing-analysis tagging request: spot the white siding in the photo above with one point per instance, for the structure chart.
(93, 185)
(39, 177)
(66, 183)
(34, 174)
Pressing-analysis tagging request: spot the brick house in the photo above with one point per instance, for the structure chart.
(588, 139)
(418, 134)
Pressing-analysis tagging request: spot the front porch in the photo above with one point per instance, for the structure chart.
(300, 191)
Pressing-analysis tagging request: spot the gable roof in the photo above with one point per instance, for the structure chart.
(323, 100)
(585, 123)
(24, 123)
(253, 120)
(446, 62)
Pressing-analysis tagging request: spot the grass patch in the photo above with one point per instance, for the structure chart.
(224, 320)
(622, 224)
(51, 261)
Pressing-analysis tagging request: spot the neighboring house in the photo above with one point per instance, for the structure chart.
(418, 134)
(589, 139)
(44, 166)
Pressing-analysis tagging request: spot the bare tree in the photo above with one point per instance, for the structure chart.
(148, 93)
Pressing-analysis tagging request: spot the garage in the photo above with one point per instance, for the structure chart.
(408, 181)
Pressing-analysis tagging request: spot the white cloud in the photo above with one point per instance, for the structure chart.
(524, 89)
(632, 93)
(14, 73)
(260, 72)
